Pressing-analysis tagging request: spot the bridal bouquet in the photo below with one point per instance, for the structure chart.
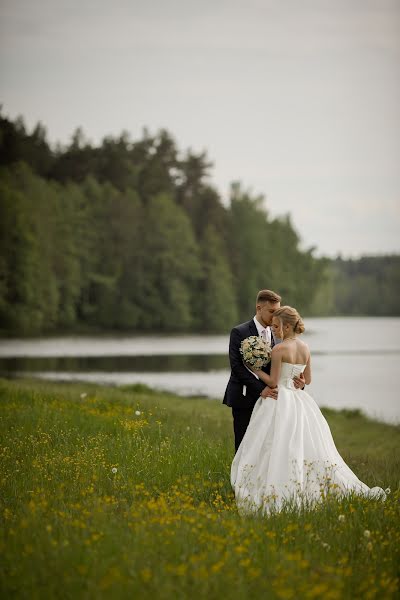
(255, 351)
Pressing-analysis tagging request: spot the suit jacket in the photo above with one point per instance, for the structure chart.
(240, 376)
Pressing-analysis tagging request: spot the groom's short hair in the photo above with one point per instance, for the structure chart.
(267, 296)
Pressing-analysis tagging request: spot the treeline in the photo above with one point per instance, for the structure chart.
(368, 286)
(132, 236)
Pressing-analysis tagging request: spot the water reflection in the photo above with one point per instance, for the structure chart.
(355, 362)
(163, 363)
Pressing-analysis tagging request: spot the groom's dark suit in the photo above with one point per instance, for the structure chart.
(242, 405)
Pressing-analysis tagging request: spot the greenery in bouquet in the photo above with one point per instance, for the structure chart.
(255, 352)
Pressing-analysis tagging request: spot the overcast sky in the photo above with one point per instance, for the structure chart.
(299, 100)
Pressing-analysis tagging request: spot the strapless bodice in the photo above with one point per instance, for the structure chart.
(288, 371)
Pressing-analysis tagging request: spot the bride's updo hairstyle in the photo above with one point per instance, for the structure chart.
(288, 314)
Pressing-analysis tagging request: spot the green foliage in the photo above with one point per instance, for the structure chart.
(132, 236)
(169, 266)
(266, 254)
(251, 261)
(216, 304)
(367, 286)
(109, 493)
(16, 144)
(29, 292)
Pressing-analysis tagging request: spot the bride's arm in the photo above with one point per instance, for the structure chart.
(307, 371)
(276, 363)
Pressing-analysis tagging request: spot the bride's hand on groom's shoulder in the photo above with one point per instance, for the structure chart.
(270, 393)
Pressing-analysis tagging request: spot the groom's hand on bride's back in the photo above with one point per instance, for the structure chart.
(269, 393)
(299, 382)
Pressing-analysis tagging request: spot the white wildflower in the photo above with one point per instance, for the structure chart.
(114, 470)
(83, 395)
(325, 545)
(341, 518)
(138, 413)
(367, 533)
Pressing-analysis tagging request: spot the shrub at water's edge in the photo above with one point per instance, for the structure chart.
(126, 493)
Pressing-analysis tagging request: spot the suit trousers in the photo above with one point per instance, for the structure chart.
(241, 419)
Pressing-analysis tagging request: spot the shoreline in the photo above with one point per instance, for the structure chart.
(143, 388)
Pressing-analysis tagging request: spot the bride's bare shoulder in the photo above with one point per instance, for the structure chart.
(277, 350)
(303, 344)
(304, 347)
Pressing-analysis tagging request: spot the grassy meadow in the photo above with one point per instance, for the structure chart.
(125, 493)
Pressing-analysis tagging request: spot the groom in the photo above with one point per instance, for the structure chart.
(244, 387)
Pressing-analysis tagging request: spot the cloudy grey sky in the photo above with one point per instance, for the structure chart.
(299, 100)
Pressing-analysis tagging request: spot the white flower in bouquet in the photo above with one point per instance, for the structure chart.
(255, 352)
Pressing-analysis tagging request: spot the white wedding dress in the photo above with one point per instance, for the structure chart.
(288, 457)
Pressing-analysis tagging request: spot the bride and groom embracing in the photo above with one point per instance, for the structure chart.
(285, 453)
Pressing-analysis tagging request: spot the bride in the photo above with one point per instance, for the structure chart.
(287, 456)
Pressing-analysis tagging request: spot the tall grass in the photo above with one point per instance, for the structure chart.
(125, 493)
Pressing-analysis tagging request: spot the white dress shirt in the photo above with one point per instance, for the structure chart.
(261, 329)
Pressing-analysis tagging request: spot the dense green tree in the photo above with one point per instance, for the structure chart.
(29, 291)
(131, 235)
(168, 268)
(127, 219)
(215, 296)
(17, 145)
(294, 272)
(251, 251)
(158, 173)
(69, 252)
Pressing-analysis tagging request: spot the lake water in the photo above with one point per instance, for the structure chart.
(354, 362)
